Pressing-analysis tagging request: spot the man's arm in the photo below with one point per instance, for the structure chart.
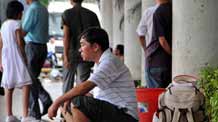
(142, 30)
(28, 22)
(142, 41)
(164, 44)
(80, 89)
(159, 32)
(66, 41)
(23, 33)
(21, 44)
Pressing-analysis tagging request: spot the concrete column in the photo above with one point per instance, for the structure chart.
(132, 56)
(107, 17)
(195, 35)
(145, 4)
(118, 22)
(3, 6)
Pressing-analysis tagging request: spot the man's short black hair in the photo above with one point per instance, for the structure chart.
(96, 35)
(120, 47)
(77, 1)
(14, 8)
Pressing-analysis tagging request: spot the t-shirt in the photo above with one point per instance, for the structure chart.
(162, 21)
(35, 23)
(145, 27)
(78, 19)
(114, 83)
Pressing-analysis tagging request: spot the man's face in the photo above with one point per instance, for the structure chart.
(71, 2)
(28, 2)
(116, 52)
(87, 50)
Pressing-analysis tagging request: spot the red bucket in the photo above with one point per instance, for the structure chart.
(147, 99)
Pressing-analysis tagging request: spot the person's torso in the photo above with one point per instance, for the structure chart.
(159, 57)
(38, 32)
(78, 19)
(121, 91)
(8, 33)
(149, 23)
(164, 12)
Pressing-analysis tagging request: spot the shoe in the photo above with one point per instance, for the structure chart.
(12, 119)
(29, 119)
(45, 108)
(2, 91)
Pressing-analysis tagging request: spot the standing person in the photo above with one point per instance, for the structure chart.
(144, 31)
(1, 89)
(13, 61)
(75, 20)
(159, 58)
(113, 89)
(35, 29)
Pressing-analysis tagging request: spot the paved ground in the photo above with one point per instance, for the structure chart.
(54, 87)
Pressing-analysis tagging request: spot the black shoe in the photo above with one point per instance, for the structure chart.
(45, 108)
(2, 91)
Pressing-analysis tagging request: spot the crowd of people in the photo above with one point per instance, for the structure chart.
(106, 94)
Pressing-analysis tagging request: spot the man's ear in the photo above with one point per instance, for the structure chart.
(96, 47)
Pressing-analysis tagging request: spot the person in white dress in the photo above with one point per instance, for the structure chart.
(13, 61)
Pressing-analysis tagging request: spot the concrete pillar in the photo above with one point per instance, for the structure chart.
(118, 22)
(132, 56)
(3, 6)
(107, 17)
(195, 35)
(145, 4)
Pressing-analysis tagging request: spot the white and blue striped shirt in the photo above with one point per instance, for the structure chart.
(114, 83)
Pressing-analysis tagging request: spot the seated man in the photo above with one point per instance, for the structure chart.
(114, 98)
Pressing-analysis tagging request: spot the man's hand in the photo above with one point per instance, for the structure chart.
(66, 104)
(52, 111)
(66, 64)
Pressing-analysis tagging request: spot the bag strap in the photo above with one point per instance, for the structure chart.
(176, 115)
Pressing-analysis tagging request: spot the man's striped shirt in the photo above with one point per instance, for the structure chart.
(114, 83)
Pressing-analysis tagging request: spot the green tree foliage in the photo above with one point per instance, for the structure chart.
(209, 83)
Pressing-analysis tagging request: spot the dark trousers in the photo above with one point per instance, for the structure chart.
(36, 55)
(1, 89)
(82, 71)
(101, 111)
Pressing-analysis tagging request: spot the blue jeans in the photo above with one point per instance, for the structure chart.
(157, 77)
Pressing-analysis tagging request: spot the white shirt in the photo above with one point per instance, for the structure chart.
(145, 27)
(114, 83)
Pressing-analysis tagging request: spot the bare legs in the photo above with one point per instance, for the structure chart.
(26, 93)
(9, 99)
(8, 96)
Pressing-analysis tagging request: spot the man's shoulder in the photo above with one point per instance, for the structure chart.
(87, 11)
(150, 11)
(164, 7)
(67, 11)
